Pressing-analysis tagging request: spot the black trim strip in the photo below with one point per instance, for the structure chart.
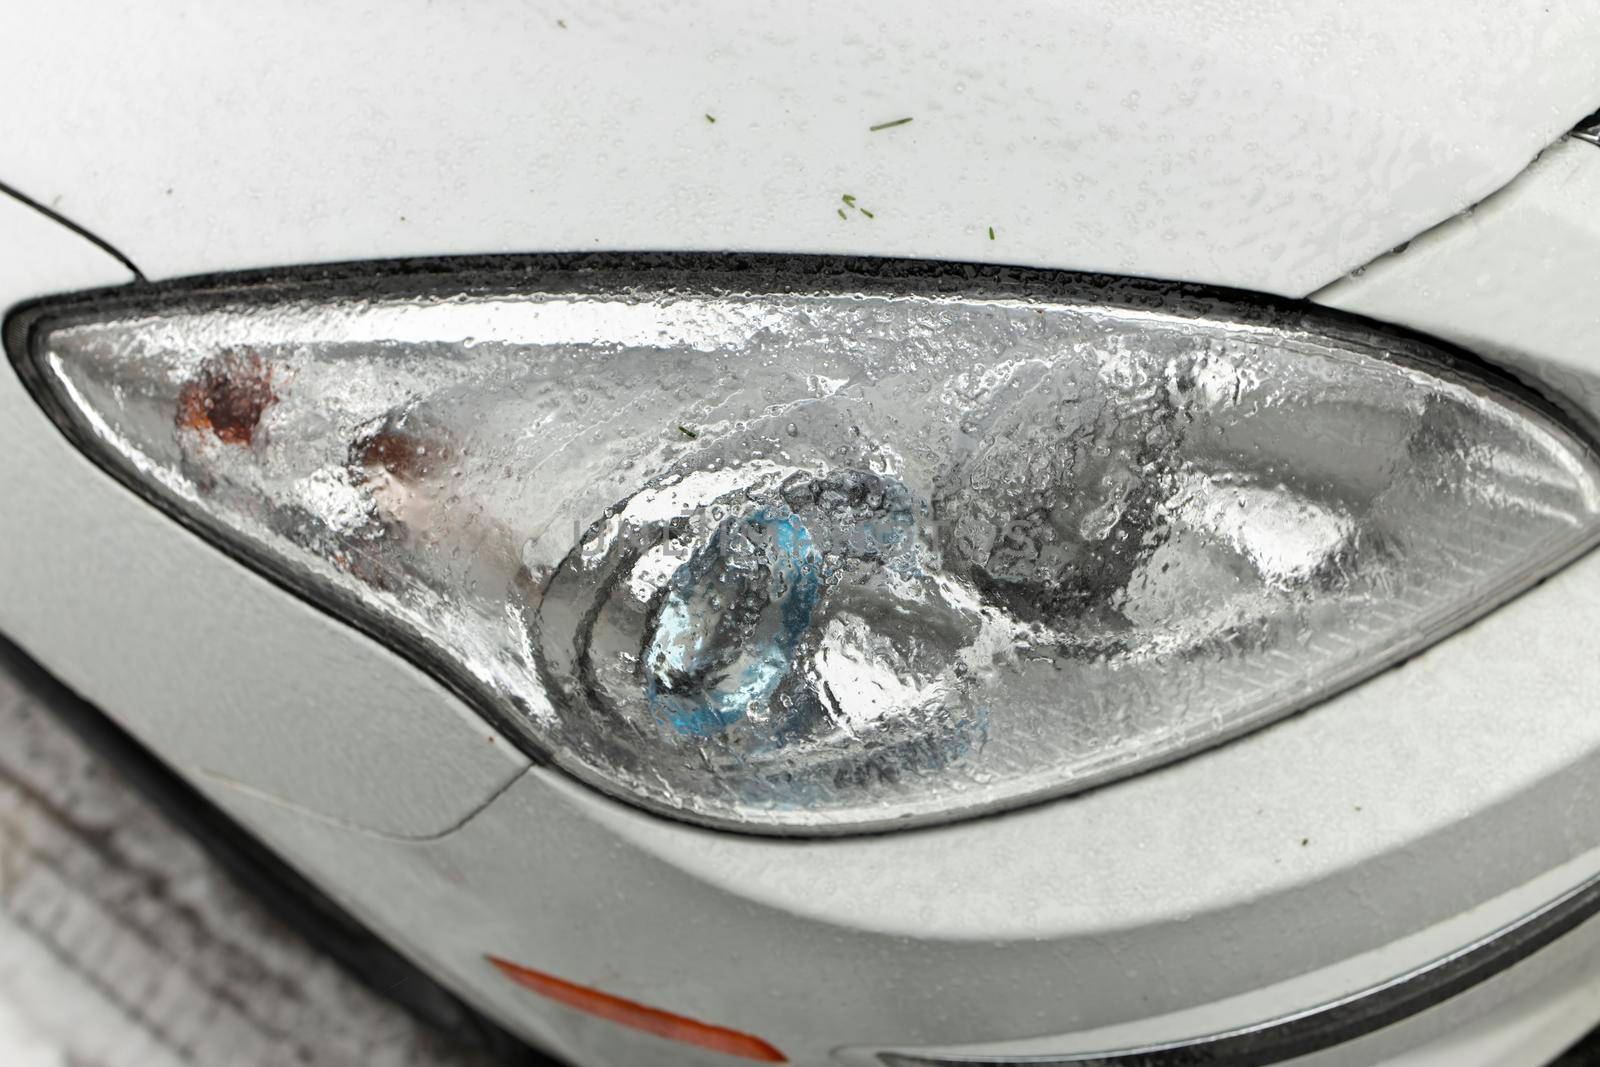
(55, 216)
(1362, 1013)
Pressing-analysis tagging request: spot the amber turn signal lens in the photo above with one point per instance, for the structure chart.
(639, 1016)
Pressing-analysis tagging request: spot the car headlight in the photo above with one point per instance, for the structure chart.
(792, 549)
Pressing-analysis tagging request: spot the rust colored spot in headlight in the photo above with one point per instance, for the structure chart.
(390, 448)
(228, 396)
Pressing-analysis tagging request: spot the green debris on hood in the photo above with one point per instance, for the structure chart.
(850, 204)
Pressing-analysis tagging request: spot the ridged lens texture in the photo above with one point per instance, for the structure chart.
(801, 561)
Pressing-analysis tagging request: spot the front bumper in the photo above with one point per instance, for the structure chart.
(1517, 995)
(1430, 809)
(1514, 1011)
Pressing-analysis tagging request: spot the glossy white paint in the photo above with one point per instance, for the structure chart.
(1270, 145)
(212, 665)
(1514, 280)
(1266, 144)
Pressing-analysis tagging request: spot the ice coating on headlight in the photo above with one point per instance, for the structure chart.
(807, 561)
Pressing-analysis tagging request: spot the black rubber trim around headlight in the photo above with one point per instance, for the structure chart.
(684, 271)
(1325, 1026)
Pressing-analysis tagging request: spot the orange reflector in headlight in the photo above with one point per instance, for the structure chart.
(640, 1017)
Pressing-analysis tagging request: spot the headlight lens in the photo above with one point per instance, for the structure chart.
(803, 556)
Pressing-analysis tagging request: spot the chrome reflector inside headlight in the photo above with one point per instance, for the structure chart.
(815, 553)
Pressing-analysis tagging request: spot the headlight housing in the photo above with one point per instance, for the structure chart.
(787, 547)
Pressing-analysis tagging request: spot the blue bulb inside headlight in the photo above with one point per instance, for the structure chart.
(727, 629)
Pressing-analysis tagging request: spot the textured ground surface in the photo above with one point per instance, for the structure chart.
(121, 945)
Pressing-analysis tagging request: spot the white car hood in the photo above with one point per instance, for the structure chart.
(1266, 144)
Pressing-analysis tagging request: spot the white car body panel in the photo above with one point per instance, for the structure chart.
(1259, 143)
(1514, 280)
(1424, 809)
(1176, 904)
